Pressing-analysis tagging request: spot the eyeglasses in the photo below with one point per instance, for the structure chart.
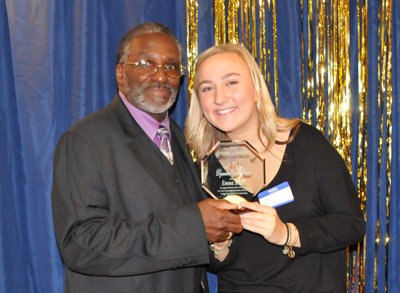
(148, 67)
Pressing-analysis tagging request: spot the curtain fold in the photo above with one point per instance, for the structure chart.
(289, 61)
(394, 219)
(57, 64)
(372, 154)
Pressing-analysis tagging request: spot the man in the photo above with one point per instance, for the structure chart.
(129, 217)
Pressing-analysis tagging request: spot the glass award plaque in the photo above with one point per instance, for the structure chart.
(234, 171)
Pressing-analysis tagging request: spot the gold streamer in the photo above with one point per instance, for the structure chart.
(233, 33)
(363, 116)
(192, 19)
(263, 46)
(342, 120)
(220, 22)
(345, 126)
(191, 39)
(274, 29)
(242, 21)
(310, 76)
(320, 66)
(268, 74)
(247, 22)
(389, 101)
(381, 80)
(254, 29)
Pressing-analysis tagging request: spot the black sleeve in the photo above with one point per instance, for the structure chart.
(341, 223)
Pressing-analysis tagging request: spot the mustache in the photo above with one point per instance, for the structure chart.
(157, 85)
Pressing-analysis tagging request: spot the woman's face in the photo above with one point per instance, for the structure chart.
(227, 94)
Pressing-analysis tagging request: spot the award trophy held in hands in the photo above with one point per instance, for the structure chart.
(233, 171)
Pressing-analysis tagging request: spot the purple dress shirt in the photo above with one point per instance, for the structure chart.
(146, 122)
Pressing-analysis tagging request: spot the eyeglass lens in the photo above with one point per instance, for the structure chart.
(145, 67)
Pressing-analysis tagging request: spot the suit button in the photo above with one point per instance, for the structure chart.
(177, 181)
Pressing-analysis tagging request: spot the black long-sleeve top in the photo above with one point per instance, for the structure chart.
(325, 210)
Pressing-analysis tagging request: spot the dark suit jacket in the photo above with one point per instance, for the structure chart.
(125, 219)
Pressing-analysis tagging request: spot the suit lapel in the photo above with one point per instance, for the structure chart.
(145, 151)
(196, 192)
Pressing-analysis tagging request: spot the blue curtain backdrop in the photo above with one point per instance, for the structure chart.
(57, 64)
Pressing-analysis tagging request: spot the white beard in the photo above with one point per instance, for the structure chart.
(135, 96)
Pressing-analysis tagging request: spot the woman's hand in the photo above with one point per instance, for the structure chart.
(265, 221)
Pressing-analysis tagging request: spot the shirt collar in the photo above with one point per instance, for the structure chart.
(145, 120)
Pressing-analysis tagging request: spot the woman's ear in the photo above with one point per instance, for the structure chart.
(258, 97)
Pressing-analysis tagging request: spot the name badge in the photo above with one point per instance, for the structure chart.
(276, 196)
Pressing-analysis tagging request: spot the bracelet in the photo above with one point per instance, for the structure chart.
(287, 237)
(216, 252)
(295, 240)
(286, 248)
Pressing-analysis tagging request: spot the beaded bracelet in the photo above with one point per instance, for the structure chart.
(216, 252)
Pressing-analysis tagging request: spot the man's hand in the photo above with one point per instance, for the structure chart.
(218, 220)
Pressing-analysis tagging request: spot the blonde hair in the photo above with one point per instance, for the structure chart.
(201, 136)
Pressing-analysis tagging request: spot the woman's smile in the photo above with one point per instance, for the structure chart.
(226, 111)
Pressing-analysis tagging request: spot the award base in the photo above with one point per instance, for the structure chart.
(234, 198)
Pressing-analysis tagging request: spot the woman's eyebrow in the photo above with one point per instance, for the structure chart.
(225, 76)
(204, 81)
(229, 75)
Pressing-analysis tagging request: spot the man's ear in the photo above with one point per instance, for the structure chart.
(119, 71)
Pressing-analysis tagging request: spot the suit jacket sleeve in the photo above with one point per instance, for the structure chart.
(98, 234)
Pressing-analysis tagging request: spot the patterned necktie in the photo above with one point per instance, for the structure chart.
(165, 145)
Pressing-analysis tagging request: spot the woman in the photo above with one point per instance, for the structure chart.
(299, 246)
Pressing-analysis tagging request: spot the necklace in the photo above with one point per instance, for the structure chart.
(258, 151)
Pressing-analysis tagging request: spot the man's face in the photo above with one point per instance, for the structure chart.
(156, 93)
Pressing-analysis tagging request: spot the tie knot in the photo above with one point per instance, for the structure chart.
(162, 132)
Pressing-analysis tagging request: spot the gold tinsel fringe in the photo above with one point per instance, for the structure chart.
(192, 15)
(362, 10)
(326, 82)
(242, 27)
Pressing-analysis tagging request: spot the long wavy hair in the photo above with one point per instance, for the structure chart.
(201, 135)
